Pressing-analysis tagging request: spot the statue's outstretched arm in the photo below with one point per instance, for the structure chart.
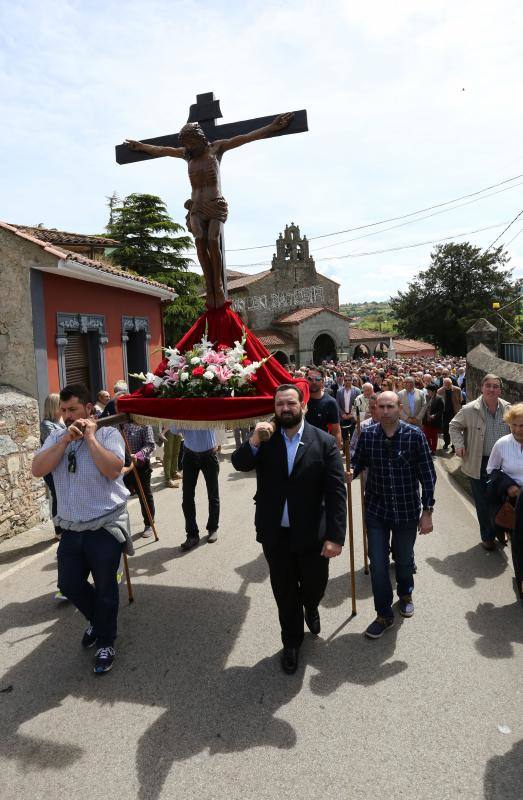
(278, 124)
(155, 150)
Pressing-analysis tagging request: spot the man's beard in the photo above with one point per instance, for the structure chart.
(289, 420)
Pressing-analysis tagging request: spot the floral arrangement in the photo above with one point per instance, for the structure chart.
(207, 370)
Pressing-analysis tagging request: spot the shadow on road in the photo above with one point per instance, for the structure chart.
(504, 775)
(353, 659)
(339, 589)
(498, 628)
(467, 567)
(172, 651)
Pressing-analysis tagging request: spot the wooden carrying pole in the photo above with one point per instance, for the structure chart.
(362, 491)
(140, 489)
(351, 527)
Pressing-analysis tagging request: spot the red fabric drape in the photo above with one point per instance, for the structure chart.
(223, 327)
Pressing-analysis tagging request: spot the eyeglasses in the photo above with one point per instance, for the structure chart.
(71, 462)
(311, 380)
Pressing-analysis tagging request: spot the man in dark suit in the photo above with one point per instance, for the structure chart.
(345, 398)
(300, 513)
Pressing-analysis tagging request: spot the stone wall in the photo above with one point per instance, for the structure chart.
(23, 499)
(481, 361)
(280, 293)
(17, 355)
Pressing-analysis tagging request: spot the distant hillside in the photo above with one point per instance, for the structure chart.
(371, 316)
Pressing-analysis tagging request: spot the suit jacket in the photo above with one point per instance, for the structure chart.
(419, 405)
(315, 490)
(340, 397)
(456, 397)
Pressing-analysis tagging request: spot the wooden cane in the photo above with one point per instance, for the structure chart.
(130, 594)
(140, 488)
(351, 527)
(362, 492)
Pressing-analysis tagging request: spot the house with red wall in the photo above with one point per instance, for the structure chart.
(68, 315)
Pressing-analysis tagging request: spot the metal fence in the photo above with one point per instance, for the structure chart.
(513, 351)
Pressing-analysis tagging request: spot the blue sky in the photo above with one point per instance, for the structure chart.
(391, 129)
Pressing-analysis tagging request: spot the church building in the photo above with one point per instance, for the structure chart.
(292, 308)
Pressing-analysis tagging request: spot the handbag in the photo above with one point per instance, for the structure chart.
(506, 516)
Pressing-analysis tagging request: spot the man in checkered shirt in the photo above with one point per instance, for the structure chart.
(397, 459)
(86, 465)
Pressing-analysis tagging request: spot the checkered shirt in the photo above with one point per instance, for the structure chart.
(86, 494)
(395, 468)
(140, 438)
(495, 427)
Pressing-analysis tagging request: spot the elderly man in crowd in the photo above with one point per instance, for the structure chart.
(451, 396)
(412, 403)
(474, 431)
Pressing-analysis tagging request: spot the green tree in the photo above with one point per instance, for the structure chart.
(460, 285)
(150, 241)
(153, 245)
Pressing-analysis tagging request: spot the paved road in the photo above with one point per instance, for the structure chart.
(197, 708)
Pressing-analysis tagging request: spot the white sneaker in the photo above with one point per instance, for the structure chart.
(147, 532)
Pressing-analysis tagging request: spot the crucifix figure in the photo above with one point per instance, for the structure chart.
(202, 144)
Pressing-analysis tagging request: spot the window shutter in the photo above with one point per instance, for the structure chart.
(77, 359)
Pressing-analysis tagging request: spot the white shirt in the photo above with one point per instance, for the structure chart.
(507, 455)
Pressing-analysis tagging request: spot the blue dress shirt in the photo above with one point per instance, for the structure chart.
(197, 441)
(291, 446)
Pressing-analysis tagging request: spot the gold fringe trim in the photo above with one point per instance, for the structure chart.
(200, 424)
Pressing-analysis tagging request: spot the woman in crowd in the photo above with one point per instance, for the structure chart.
(52, 421)
(505, 466)
(433, 417)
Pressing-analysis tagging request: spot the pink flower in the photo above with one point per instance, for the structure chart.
(223, 374)
(212, 357)
(172, 375)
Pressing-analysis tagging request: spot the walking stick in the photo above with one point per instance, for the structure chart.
(130, 594)
(140, 489)
(362, 491)
(351, 527)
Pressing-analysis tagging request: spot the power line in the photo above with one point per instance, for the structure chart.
(389, 219)
(385, 250)
(506, 229)
(413, 221)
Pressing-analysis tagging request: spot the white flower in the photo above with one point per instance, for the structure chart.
(184, 376)
(208, 375)
(195, 360)
(156, 380)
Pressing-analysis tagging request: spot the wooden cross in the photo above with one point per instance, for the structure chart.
(205, 112)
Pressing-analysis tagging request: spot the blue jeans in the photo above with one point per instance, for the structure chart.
(403, 539)
(483, 510)
(81, 553)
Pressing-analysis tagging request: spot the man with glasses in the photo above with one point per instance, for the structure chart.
(86, 464)
(322, 409)
(474, 431)
(397, 460)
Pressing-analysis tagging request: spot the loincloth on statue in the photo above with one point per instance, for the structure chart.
(206, 210)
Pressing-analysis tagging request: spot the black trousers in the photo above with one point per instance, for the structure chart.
(297, 580)
(144, 473)
(192, 464)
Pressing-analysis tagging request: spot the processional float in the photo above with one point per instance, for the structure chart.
(202, 144)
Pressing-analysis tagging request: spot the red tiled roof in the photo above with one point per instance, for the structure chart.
(361, 333)
(101, 266)
(408, 345)
(271, 338)
(239, 283)
(65, 238)
(232, 274)
(306, 313)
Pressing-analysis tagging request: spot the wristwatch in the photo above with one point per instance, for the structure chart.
(428, 510)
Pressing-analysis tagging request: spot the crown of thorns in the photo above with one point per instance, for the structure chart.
(192, 129)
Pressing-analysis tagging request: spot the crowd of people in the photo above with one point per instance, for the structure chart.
(393, 413)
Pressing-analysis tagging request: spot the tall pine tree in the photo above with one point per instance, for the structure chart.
(153, 245)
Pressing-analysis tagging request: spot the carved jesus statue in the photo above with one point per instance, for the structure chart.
(207, 208)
